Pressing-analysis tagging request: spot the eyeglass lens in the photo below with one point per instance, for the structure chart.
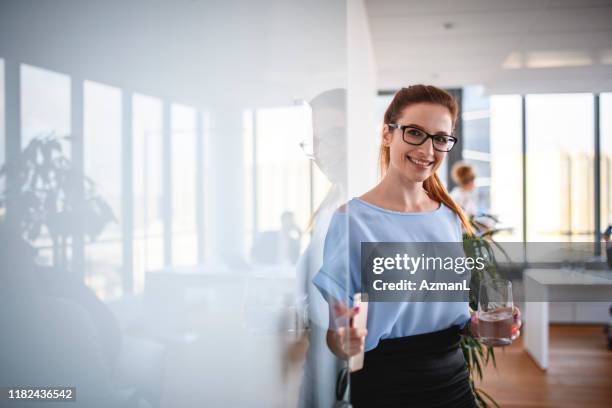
(416, 137)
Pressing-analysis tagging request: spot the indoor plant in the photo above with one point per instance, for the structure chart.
(480, 244)
(49, 195)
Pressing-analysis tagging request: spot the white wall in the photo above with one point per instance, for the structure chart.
(363, 127)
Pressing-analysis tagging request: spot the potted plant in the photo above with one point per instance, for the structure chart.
(481, 244)
(50, 195)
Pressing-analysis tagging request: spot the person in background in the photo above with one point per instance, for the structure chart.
(463, 175)
(278, 247)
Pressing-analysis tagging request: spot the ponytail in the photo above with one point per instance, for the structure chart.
(436, 190)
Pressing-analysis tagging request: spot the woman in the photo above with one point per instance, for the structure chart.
(412, 354)
(463, 175)
(329, 155)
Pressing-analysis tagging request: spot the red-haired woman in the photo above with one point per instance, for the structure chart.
(412, 353)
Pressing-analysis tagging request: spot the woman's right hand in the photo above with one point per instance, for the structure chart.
(349, 341)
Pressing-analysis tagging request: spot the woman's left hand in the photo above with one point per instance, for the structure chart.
(516, 325)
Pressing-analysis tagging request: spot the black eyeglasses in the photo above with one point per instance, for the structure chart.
(416, 137)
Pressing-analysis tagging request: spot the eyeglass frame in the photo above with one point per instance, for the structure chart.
(428, 136)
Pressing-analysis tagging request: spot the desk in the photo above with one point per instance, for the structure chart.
(545, 285)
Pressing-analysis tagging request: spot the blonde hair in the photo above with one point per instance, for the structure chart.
(463, 173)
(424, 94)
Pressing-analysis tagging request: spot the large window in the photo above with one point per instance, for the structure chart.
(102, 161)
(283, 175)
(184, 155)
(560, 167)
(476, 142)
(45, 112)
(280, 178)
(148, 175)
(45, 104)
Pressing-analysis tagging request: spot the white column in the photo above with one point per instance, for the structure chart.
(362, 130)
(78, 140)
(536, 321)
(127, 191)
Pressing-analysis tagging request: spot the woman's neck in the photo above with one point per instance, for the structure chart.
(397, 193)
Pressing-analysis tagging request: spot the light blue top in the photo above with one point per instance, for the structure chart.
(370, 223)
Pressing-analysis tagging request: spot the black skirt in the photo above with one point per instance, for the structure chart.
(426, 370)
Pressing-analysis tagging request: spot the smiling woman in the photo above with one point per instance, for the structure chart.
(412, 354)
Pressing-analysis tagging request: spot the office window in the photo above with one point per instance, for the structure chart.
(476, 142)
(280, 176)
(184, 223)
(283, 177)
(45, 111)
(605, 120)
(147, 170)
(560, 167)
(102, 161)
(506, 182)
(45, 104)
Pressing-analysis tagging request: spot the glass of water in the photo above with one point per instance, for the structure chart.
(495, 307)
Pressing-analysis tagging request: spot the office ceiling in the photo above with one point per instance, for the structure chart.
(509, 46)
(241, 53)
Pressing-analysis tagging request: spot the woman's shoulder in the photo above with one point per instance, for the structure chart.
(346, 208)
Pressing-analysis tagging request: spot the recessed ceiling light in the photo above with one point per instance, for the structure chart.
(547, 59)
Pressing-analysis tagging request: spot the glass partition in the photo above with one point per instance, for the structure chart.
(147, 321)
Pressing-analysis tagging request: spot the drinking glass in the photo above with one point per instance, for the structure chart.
(495, 307)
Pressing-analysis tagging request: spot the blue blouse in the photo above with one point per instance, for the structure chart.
(339, 277)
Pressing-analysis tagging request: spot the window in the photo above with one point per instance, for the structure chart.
(184, 155)
(45, 104)
(102, 161)
(560, 167)
(45, 111)
(278, 172)
(147, 170)
(282, 168)
(476, 142)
